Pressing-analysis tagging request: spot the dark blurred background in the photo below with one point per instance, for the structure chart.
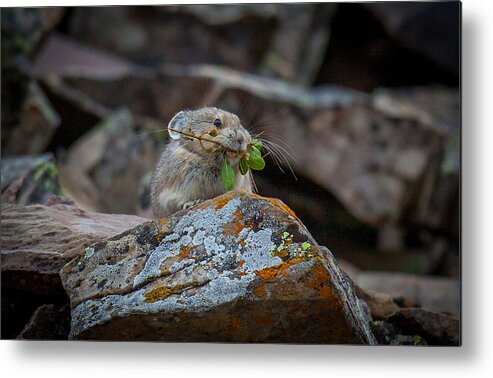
(361, 98)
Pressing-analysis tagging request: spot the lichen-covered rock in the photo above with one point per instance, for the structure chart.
(238, 268)
(38, 240)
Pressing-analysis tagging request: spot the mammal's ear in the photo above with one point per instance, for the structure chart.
(178, 122)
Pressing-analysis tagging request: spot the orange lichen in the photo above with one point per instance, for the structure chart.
(276, 203)
(319, 281)
(282, 205)
(223, 200)
(239, 227)
(282, 253)
(239, 273)
(252, 194)
(242, 242)
(268, 273)
(238, 214)
(241, 263)
(185, 250)
(234, 228)
(282, 269)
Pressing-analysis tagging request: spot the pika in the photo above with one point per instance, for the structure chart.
(189, 170)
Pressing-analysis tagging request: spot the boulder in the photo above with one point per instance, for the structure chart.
(19, 305)
(299, 42)
(23, 29)
(238, 268)
(110, 161)
(281, 40)
(175, 34)
(38, 240)
(91, 77)
(48, 322)
(417, 326)
(298, 34)
(380, 305)
(37, 124)
(435, 328)
(29, 179)
(426, 28)
(440, 294)
(22, 32)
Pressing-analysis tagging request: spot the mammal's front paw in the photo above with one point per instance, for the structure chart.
(189, 204)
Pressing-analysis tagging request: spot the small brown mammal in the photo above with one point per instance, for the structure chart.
(189, 170)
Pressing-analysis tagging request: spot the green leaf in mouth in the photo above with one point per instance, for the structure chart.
(228, 176)
(244, 167)
(257, 144)
(256, 160)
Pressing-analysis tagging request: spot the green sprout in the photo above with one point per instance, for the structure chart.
(305, 246)
(417, 340)
(253, 160)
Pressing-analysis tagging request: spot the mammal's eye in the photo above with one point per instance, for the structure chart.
(217, 122)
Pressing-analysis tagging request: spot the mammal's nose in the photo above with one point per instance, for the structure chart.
(241, 139)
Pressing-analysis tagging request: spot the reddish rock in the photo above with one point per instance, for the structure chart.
(381, 305)
(439, 294)
(38, 240)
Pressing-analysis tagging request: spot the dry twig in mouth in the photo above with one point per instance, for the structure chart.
(191, 135)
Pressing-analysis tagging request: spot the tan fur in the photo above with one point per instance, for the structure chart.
(189, 172)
